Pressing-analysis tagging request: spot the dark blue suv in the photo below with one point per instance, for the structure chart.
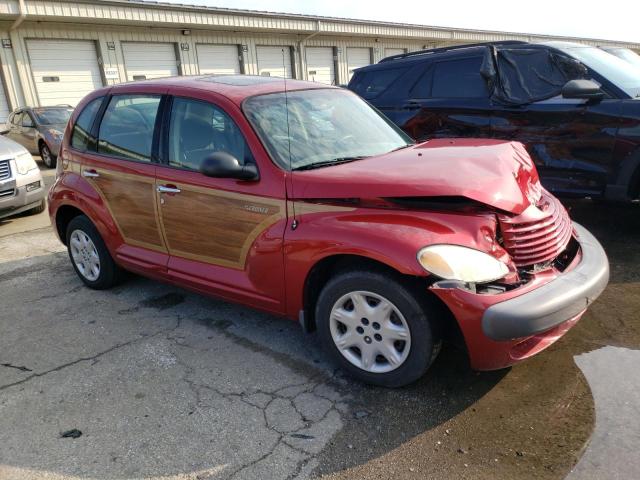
(575, 107)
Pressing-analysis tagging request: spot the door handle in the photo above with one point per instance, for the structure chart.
(90, 173)
(168, 189)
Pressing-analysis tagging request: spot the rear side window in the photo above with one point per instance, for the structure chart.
(371, 84)
(126, 130)
(81, 136)
(459, 79)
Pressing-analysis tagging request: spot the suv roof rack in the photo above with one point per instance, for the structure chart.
(452, 47)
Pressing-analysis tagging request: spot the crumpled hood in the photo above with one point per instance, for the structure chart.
(493, 172)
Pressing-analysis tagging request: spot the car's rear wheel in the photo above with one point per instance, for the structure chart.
(48, 158)
(89, 255)
(376, 328)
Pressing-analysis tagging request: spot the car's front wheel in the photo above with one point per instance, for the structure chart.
(376, 328)
(48, 158)
(89, 255)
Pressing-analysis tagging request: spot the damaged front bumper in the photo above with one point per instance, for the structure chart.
(502, 329)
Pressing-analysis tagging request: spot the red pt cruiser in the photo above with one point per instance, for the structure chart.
(303, 201)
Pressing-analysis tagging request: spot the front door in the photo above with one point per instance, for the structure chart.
(224, 236)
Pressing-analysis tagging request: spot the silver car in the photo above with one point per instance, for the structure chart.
(39, 130)
(21, 185)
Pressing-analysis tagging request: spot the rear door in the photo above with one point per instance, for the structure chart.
(223, 235)
(120, 167)
(449, 99)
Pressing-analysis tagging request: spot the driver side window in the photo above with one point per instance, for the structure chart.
(197, 129)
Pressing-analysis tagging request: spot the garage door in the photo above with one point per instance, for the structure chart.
(144, 61)
(218, 59)
(64, 71)
(394, 51)
(274, 61)
(4, 107)
(320, 65)
(356, 58)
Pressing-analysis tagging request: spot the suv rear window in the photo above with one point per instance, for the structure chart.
(371, 84)
(127, 127)
(81, 135)
(459, 79)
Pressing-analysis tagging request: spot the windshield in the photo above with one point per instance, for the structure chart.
(622, 74)
(627, 55)
(52, 116)
(325, 126)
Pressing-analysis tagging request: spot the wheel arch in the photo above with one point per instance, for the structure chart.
(326, 268)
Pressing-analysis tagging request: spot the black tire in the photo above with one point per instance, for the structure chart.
(110, 274)
(40, 208)
(418, 313)
(48, 158)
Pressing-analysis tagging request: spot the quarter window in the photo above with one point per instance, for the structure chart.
(459, 79)
(81, 136)
(126, 130)
(197, 129)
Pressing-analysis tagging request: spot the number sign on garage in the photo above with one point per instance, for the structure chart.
(356, 58)
(320, 65)
(63, 71)
(147, 60)
(274, 61)
(218, 59)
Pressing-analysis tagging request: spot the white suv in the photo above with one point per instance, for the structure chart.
(21, 185)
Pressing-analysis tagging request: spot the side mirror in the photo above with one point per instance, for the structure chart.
(225, 165)
(584, 89)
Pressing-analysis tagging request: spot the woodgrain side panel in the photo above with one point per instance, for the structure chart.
(216, 227)
(131, 201)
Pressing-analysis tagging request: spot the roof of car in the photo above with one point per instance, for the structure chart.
(234, 87)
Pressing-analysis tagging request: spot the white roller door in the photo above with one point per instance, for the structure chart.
(388, 52)
(64, 71)
(4, 106)
(274, 61)
(144, 61)
(356, 58)
(218, 59)
(320, 65)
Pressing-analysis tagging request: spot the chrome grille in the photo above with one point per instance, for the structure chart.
(538, 234)
(7, 193)
(5, 169)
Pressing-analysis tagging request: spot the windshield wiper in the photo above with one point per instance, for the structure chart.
(403, 146)
(327, 163)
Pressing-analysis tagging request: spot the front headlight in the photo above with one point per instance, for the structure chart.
(25, 163)
(454, 262)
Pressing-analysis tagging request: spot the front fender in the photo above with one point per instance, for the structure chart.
(390, 237)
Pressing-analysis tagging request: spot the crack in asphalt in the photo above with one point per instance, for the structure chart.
(309, 386)
(21, 368)
(91, 358)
